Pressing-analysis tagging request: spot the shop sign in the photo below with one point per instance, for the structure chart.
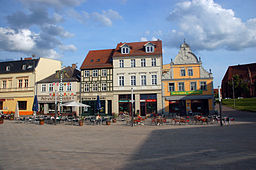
(124, 100)
(2, 100)
(186, 92)
(151, 100)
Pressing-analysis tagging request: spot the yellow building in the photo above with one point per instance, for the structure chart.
(187, 86)
(17, 82)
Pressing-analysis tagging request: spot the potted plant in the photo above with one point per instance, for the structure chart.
(114, 118)
(41, 121)
(1, 120)
(108, 122)
(81, 122)
(11, 116)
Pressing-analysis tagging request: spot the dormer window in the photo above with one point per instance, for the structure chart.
(125, 50)
(149, 49)
(24, 67)
(7, 68)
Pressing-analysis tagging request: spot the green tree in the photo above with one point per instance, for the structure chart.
(240, 86)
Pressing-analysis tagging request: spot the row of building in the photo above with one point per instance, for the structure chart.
(129, 71)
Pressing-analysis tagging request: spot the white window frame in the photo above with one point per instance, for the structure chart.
(133, 63)
(87, 73)
(69, 87)
(125, 50)
(193, 86)
(23, 67)
(154, 79)
(203, 85)
(4, 84)
(8, 68)
(26, 83)
(153, 62)
(104, 73)
(181, 86)
(182, 72)
(95, 87)
(171, 88)
(43, 88)
(133, 80)
(104, 87)
(50, 87)
(121, 80)
(95, 73)
(20, 83)
(143, 62)
(61, 87)
(190, 72)
(149, 49)
(87, 87)
(143, 80)
(121, 63)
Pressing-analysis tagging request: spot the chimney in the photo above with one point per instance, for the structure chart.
(73, 66)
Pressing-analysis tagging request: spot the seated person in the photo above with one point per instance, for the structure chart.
(98, 119)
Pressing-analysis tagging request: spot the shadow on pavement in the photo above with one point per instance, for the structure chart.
(227, 147)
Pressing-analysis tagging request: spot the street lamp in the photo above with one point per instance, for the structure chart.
(132, 107)
(220, 107)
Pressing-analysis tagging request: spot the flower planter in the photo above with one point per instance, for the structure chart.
(114, 120)
(108, 122)
(1, 121)
(41, 122)
(81, 123)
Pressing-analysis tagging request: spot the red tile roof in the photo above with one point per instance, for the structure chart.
(138, 49)
(98, 59)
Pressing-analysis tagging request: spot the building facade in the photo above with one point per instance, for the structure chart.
(97, 80)
(187, 86)
(17, 82)
(137, 69)
(244, 79)
(61, 87)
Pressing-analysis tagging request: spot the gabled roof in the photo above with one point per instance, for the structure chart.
(138, 49)
(17, 66)
(98, 59)
(69, 74)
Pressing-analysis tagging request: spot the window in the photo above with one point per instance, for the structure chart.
(133, 64)
(43, 88)
(23, 67)
(190, 72)
(154, 80)
(143, 62)
(95, 73)
(95, 87)
(149, 49)
(121, 63)
(125, 50)
(171, 87)
(20, 84)
(4, 84)
(153, 62)
(104, 87)
(121, 80)
(181, 86)
(69, 86)
(22, 105)
(203, 85)
(50, 87)
(193, 86)
(87, 73)
(26, 83)
(87, 87)
(143, 80)
(182, 72)
(133, 80)
(61, 87)
(104, 73)
(7, 68)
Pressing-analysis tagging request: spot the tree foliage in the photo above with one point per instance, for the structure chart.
(241, 86)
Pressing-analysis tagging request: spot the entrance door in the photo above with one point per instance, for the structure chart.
(142, 108)
(1, 105)
(109, 107)
(200, 106)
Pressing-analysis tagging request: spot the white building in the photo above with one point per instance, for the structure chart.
(137, 66)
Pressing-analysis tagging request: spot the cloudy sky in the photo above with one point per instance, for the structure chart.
(221, 32)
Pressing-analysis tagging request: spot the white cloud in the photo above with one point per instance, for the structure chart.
(70, 47)
(143, 39)
(104, 18)
(207, 25)
(154, 38)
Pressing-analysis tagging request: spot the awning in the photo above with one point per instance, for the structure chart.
(192, 97)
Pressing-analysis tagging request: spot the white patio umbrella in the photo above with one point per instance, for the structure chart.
(75, 104)
(17, 114)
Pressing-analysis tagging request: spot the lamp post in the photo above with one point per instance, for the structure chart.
(233, 88)
(220, 106)
(132, 107)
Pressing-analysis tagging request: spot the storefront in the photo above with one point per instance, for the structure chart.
(177, 106)
(200, 106)
(125, 104)
(148, 104)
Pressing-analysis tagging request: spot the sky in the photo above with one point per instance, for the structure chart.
(221, 32)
